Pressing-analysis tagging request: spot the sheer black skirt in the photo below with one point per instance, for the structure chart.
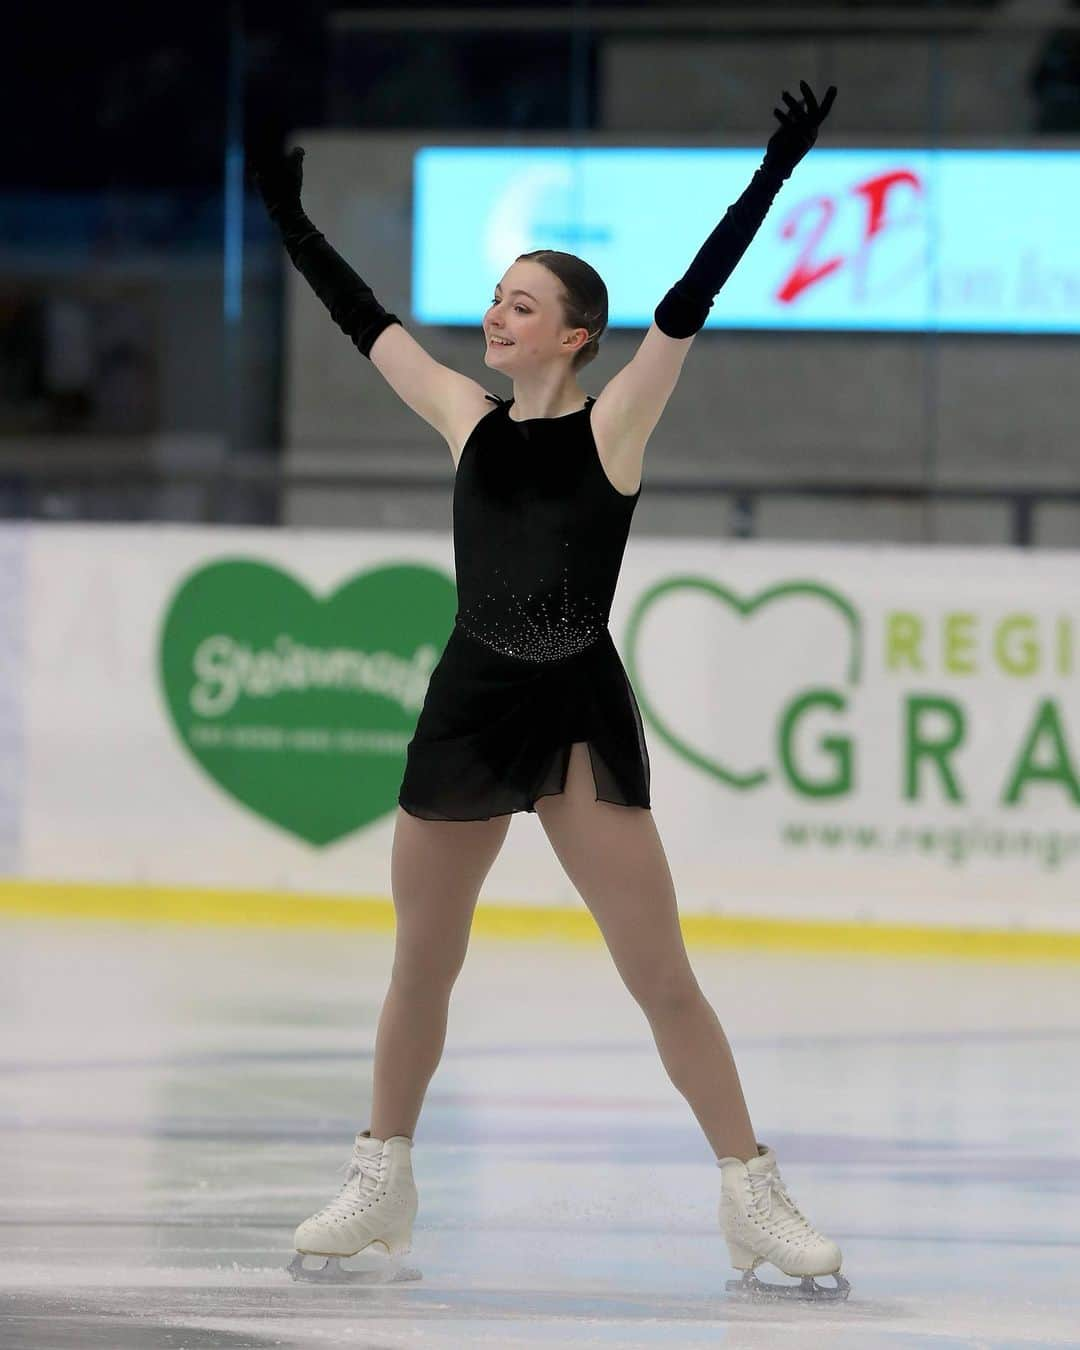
(495, 731)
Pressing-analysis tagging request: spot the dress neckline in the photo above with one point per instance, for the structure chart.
(524, 421)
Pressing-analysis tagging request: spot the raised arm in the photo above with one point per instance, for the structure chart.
(632, 401)
(686, 306)
(432, 390)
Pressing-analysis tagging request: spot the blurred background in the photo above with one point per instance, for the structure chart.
(161, 360)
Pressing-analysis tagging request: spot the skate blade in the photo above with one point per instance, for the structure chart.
(367, 1270)
(806, 1291)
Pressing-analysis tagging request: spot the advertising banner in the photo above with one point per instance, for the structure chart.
(841, 732)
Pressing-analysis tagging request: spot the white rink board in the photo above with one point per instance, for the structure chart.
(844, 732)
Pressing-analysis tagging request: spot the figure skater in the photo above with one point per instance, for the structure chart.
(529, 708)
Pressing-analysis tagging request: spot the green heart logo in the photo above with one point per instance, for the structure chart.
(302, 708)
(743, 608)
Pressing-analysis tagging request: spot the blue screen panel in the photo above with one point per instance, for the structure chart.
(906, 240)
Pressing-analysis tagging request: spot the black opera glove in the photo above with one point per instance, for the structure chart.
(683, 311)
(348, 297)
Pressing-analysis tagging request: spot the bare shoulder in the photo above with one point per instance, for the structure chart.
(468, 403)
(447, 400)
(629, 407)
(621, 451)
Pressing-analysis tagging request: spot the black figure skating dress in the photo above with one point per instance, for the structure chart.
(530, 666)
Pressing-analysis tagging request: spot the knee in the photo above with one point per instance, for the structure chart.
(667, 992)
(426, 970)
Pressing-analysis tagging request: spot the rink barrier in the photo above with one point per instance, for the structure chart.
(190, 905)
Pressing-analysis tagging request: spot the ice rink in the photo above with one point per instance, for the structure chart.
(176, 1099)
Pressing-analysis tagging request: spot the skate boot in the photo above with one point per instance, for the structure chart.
(373, 1213)
(761, 1223)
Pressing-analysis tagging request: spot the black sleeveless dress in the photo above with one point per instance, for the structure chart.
(530, 666)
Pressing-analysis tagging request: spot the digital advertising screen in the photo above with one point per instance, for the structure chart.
(893, 239)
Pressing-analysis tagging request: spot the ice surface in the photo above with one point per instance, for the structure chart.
(174, 1101)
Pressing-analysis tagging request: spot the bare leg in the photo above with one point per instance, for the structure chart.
(696, 1054)
(436, 870)
(614, 857)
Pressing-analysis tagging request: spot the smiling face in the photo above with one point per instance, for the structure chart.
(527, 312)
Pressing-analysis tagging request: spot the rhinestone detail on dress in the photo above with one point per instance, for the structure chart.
(533, 633)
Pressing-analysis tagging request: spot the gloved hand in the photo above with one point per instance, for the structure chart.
(798, 128)
(278, 179)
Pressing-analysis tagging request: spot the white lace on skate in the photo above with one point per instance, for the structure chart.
(785, 1220)
(361, 1182)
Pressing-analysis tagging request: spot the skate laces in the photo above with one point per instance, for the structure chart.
(361, 1179)
(764, 1187)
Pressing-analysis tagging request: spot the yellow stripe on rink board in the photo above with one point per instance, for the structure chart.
(191, 905)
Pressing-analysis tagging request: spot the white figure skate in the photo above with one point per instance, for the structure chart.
(373, 1213)
(761, 1223)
